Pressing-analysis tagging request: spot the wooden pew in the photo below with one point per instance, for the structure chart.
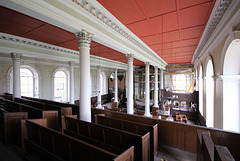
(125, 116)
(183, 136)
(64, 106)
(114, 137)
(34, 113)
(132, 127)
(62, 111)
(61, 147)
(221, 153)
(10, 129)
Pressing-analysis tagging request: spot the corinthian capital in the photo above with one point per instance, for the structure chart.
(16, 56)
(84, 37)
(130, 57)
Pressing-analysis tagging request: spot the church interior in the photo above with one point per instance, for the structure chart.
(125, 80)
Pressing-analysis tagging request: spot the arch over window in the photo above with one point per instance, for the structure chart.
(231, 87)
(209, 93)
(29, 80)
(200, 88)
(61, 85)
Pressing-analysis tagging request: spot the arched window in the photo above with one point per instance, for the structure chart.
(29, 82)
(209, 94)
(200, 88)
(61, 84)
(231, 87)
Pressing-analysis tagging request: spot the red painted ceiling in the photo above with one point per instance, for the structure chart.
(15, 23)
(172, 28)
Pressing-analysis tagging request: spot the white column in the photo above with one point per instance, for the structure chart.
(161, 83)
(99, 98)
(156, 87)
(116, 87)
(126, 84)
(71, 81)
(16, 57)
(196, 78)
(84, 39)
(147, 99)
(130, 85)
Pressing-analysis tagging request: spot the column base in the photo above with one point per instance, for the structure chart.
(99, 106)
(147, 115)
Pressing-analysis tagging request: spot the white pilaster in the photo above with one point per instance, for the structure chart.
(116, 87)
(130, 85)
(84, 39)
(161, 83)
(16, 57)
(71, 81)
(147, 99)
(99, 98)
(156, 86)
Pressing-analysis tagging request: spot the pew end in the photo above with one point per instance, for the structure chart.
(64, 121)
(127, 155)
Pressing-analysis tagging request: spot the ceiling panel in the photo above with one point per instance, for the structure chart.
(194, 16)
(158, 7)
(189, 3)
(170, 22)
(153, 39)
(190, 42)
(132, 12)
(171, 36)
(194, 32)
(142, 28)
(157, 23)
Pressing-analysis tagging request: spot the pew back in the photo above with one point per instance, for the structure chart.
(111, 136)
(62, 147)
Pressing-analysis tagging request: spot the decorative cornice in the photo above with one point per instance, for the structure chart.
(36, 44)
(84, 37)
(116, 25)
(211, 26)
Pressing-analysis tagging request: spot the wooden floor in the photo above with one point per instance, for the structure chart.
(165, 153)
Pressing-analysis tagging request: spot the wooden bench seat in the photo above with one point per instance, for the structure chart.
(133, 127)
(59, 146)
(10, 129)
(114, 137)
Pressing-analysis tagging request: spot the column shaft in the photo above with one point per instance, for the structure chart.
(84, 39)
(130, 85)
(99, 99)
(161, 79)
(16, 57)
(147, 99)
(156, 86)
(116, 87)
(71, 82)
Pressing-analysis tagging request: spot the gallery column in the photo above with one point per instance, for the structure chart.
(161, 83)
(156, 86)
(16, 57)
(116, 87)
(130, 84)
(71, 81)
(147, 99)
(99, 89)
(84, 39)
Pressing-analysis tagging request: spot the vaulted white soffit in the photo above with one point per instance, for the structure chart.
(75, 15)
